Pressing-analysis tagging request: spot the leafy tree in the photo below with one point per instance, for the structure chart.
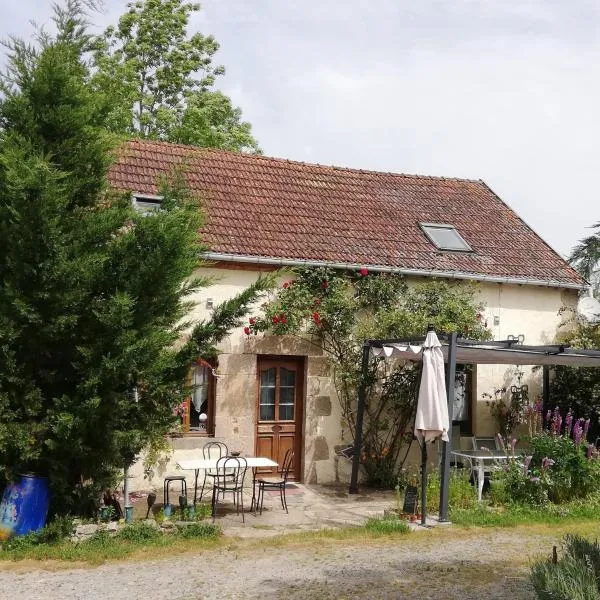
(578, 388)
(585, 257)
(159, 80)
(93, 295)
(342, 309)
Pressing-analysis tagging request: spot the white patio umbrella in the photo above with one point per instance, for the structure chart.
(431, 421)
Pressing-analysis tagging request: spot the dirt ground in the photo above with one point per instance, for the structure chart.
(450, 564)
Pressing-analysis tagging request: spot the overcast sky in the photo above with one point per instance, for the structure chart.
(501, 90)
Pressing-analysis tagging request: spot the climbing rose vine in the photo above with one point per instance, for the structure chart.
(338, 310)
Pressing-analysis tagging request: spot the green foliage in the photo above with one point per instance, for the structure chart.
(205, 531)
(572, 474)
(386, 526)
(574, 577)
(54, 532)
(93, 294)
(585, 257)
(518, 484)
(341, 310)
(578, 388)
(158, 80)
(138, 531)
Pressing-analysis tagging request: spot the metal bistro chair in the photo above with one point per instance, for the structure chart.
(230, 474)
(276, 483)
(212, 450)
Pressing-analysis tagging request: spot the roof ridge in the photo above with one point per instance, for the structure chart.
(245, 156)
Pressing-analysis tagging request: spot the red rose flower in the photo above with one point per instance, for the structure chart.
(252, 320)
(317, 318)
(247, 330)
(364, 272)
(286, 285)
(282, 318)
(275, 320)
(317, 300)
(324, 285)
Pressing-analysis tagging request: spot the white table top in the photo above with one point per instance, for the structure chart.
(194, 464)
(483, 454)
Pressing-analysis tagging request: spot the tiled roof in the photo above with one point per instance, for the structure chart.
(273, 208)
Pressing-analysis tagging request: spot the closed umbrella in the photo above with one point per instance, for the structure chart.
(431, 421)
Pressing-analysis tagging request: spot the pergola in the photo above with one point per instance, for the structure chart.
(458, 350)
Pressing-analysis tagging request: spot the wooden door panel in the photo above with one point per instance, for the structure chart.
(279, 409)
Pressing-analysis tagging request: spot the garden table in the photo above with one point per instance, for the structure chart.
(200, 464)
(479, 458)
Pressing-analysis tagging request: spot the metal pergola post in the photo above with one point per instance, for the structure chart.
(360, 412)
(447, 446)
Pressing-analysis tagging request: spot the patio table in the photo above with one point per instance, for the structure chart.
(479, 457)
(200, 464)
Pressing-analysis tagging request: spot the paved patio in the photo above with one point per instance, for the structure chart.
(311, 507)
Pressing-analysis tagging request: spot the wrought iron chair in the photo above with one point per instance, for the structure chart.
(229, 479)
(279, 483)
(212, 450)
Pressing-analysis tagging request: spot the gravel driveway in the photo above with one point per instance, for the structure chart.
(463, 565)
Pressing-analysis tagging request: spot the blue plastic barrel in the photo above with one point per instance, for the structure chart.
(24, 506)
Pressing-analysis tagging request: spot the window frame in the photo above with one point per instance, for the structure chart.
(152, 199)
(211, 402)
(424, 228)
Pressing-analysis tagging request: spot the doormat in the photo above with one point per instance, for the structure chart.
(290, 490)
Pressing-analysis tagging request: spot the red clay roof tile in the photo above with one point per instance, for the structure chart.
(275, 208)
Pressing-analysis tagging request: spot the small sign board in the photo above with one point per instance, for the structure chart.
(411, 495)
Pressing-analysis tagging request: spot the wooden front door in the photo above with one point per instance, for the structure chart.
(279, 409)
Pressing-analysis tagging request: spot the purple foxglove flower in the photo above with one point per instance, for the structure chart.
(526, 463)
(546, 463)
(590, 450)
(578, 432)
(568, 423)
(548, 416)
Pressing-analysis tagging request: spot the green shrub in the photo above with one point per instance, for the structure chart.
(139, 531)
(56, 531)
(572, 475)
(199, 530)
(573, 577)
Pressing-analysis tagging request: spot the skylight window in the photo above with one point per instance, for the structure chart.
(445, 237)
(146, 203)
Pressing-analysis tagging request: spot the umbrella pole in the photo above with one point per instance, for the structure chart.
(423, 482)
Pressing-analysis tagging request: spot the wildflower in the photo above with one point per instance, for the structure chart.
(364, 272)
(568, 423)
(316, 318)
(247, 330)
(282, 319)
(324, 284)
(526, 463)
(252, 320)
(546, 463)
(578, 432)
(275, 320)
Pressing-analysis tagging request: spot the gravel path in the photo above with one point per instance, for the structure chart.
(461, 566)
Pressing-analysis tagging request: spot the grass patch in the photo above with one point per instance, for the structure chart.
(386, 526)
(518, 514)
(136, 539)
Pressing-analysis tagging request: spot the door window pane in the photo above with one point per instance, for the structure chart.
(287, 393)
(267, 395)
